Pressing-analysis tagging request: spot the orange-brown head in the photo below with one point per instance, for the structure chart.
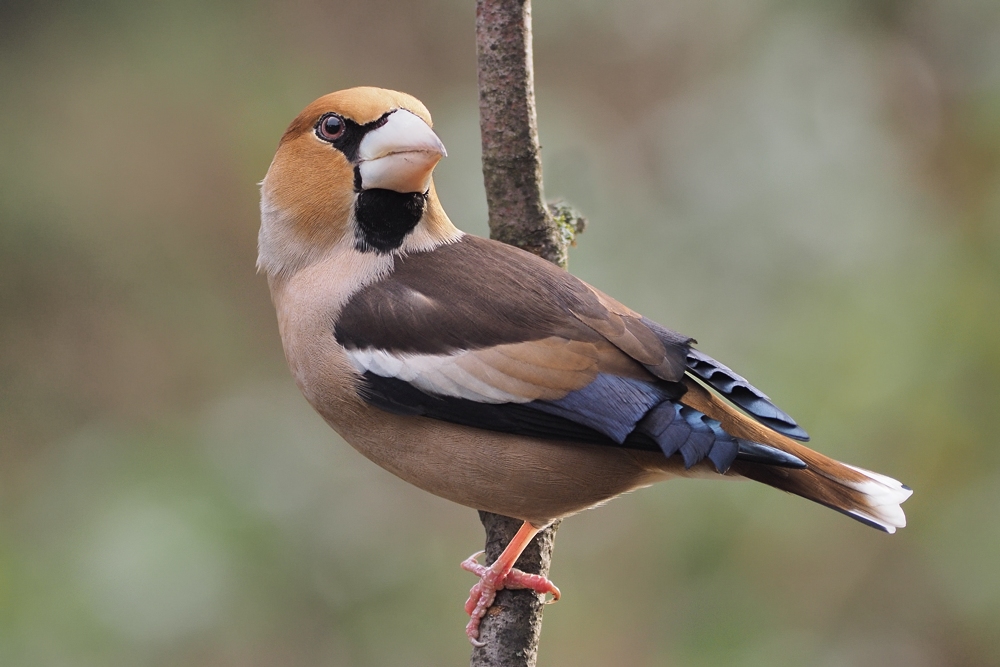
(355, 165)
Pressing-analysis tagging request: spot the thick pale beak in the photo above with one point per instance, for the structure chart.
(400, 155)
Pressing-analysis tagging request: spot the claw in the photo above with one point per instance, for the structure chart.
(472, 632)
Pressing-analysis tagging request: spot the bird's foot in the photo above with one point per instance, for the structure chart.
(492, 579)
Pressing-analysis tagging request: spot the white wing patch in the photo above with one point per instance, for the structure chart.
(440, 374)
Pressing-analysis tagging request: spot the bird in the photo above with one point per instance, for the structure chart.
(489, 376)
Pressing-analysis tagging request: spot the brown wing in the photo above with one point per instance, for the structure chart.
(476, 293)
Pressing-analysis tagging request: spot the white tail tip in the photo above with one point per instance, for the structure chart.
(885, 495)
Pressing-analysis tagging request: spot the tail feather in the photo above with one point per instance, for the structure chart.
(865, 496)
(872, 502)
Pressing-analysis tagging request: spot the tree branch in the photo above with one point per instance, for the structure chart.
(512, 172)
(512, 167)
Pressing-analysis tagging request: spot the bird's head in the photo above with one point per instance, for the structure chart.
(354, 167)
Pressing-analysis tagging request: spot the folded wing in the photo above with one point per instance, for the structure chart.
(482, 334)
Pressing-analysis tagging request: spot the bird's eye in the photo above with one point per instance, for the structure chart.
(330, 127)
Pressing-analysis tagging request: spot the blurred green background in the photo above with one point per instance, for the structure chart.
(811, 189)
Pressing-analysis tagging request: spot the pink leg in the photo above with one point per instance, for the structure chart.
(500, 575)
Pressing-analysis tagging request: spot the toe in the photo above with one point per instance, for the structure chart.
(472, 632)
(474, 594)
(471, 564)
(535, 582)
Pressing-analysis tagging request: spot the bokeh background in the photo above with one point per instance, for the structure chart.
(811, 189)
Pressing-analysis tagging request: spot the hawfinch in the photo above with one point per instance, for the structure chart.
(483, 374)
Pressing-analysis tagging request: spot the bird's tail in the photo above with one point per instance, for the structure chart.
(866, 496)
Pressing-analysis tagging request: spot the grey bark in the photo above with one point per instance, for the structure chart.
(512, 167)
(512, 172)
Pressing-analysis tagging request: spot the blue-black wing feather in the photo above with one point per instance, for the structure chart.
(743, 394)
(612, 411)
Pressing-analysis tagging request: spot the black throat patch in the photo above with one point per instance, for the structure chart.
(385, 217)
